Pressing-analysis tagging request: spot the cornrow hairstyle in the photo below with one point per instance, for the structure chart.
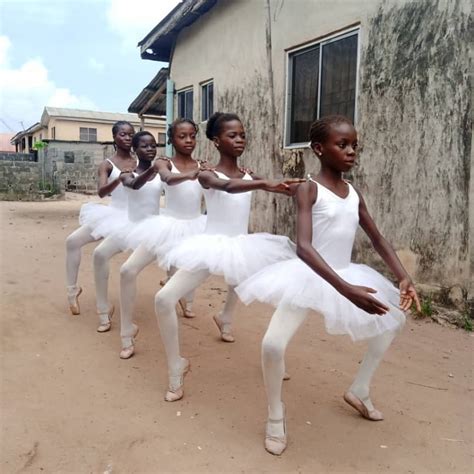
(119, 124)
(319, 130)
(175, 123)
(136, 138)
(215, 121)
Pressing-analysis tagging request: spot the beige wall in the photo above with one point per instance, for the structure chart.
(412, 108)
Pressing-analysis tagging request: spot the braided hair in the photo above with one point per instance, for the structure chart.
(175, 123)
(320, 129)
(121, 123)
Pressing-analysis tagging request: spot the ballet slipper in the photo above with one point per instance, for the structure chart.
(226, 333)
(275, 444)
(286, 376)
(104, 327)
(73, 293)
(187, 313)
(358, 404)
(128, 351)
(175, 394)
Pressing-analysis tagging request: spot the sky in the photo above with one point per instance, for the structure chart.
(73, 53)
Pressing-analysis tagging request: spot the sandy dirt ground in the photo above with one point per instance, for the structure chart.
(70, 405)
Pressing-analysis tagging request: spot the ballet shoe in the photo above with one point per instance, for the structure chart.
(175, 394)
(73, 299)
(128, 351)
(274, 444)
(358, 404)
(187, 313)
(104, 327)
(226, 334)
(286, 376)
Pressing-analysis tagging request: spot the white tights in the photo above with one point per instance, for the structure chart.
(101, 256)
(181, 283)
(138, 260)
(74, 244)
(285, 322)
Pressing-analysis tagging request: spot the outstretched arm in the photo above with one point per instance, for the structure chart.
(137, 182)
(385, 250)
(208, 179)
(104, 188)
(361, 296)
(163, 167)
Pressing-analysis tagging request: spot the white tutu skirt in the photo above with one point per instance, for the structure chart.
(294, 283)
(160, 233)
(235, 258)
(103, 220)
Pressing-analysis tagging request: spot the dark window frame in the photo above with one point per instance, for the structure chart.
(185, 100)
(320, 44)
(207, 99)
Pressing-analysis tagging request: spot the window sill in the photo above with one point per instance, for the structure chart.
(297, 146)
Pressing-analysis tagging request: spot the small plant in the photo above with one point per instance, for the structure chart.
(39, 145)
(426, 308)
(466, 322)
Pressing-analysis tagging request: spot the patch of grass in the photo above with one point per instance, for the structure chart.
(427, 309)
(466, 322)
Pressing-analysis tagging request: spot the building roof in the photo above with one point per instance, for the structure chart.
(159, 43)
(36, 126)
(152, 99)
(86, 115)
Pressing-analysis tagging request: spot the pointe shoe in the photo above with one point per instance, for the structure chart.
(274, 444)
(226, 334)
(175, 394)
(357, 404)
(128, 351)
(73, 299)
(104, 327)
(187, 313)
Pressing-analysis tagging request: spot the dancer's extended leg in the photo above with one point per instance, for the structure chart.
(74, 244)
(225, 317)
(284, 323)
(101, 256)
(358, 395)
(129, 271)
(181, 283)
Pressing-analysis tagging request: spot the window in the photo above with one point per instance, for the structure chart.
(321, 81)
(53, 133)
(87, 134)
(161, 139)
(207, 100)
(185, 104)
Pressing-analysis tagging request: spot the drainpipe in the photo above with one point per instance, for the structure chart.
(169, 112)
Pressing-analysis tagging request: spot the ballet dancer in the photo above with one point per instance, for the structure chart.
(92, 214)
(224, 249)
(354, 299)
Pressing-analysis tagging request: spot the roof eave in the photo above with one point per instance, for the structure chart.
(159, 43)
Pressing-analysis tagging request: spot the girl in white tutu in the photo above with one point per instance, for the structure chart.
(224, 249)
(153, 237)
(142, 188)
(354, 299)
(93, 215)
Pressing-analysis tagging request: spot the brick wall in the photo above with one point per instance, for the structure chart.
(20, 180)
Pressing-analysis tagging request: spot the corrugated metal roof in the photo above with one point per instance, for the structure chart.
(158, 44)
(158, 105)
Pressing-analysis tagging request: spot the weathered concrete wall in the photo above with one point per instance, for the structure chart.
(415, 125)
(413, 113)
(19, 180)
(74, 165)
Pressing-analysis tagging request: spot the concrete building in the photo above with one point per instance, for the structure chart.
(399, 68)
(82, 126)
